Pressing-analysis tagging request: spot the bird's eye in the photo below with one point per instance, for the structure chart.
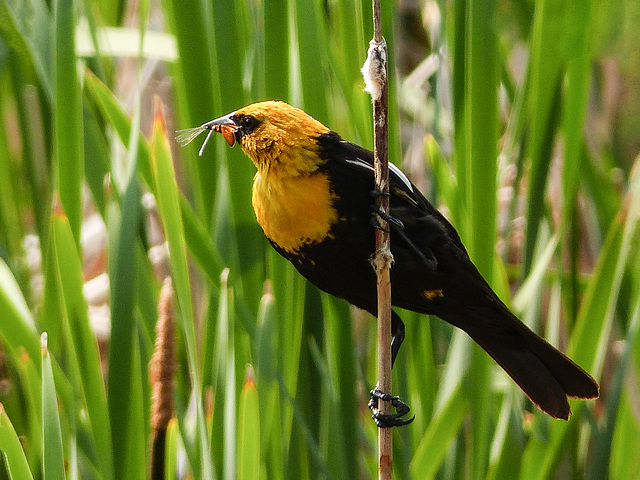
(249, 124)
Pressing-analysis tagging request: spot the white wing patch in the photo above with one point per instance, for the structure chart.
(402, 176)
(360, 163)
(395, 170)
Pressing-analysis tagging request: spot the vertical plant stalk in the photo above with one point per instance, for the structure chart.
(68, 119)
(375, 74)
(162, 373)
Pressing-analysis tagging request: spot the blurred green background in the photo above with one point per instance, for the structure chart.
(520, 119)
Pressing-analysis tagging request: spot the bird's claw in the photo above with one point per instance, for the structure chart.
(393, 221)
(388, 420)
(379, 193)
(375, 223)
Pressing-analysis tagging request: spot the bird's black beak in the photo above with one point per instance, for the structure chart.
(224, 125)
(226, 120)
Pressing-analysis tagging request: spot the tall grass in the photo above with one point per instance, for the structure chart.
(273, 374)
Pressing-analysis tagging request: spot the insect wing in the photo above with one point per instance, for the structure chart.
(186, 136)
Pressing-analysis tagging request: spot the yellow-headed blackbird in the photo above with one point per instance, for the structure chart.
(312, 196)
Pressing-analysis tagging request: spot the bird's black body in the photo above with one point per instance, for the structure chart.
(313, 196)
(431, 274)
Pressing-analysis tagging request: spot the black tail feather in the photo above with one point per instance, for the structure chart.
(545, 374)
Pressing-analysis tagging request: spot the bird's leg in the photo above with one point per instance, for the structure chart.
(397, 332)
(393, 221)
(388, 420)
(377, 193)
(377, 213)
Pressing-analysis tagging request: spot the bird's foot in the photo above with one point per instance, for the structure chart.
(376, 214)
(388, 420)
(379, 193)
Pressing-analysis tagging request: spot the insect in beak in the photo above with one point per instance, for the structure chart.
(223, 125)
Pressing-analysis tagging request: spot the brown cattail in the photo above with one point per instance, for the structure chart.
(161, 373)
(163, 362)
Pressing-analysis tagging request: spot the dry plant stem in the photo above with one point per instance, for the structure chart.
(375, 73)
(382, 262)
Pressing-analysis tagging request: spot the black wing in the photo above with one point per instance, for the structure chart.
(407, 204)
(456, 292)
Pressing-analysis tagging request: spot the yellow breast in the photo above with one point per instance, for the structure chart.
(294, 211)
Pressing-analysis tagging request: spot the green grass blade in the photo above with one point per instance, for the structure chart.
(457, 41)
(507, 442)
(600, 458)
(266, 365)
(229, 381)
(481, 127)
(30, 391)
(137, 442)
(627, 433)
(438, 437)
(220, 344)
(276, 50)
(575, 101)
(578, 78)
(421, 370)
(191, 23)
(126, 392)
(17, 328)
(546, 66)
(588, 345)
(627, 439)
(53, 457)
(195, 234)
(347, 25)
(342, 383)
(249, 431)
(10, 201)
(171, 449)
(169, 209)
(590, 338)
(97, 165)
(230, 43)
(123, 347)
(289, 294)
(236, 234)
(28, 29)
(68, 118)
(14, 459)
(84, 355)
(526, 293)
(481, 117)
(33, 115)
(447, 186)
(312, 55)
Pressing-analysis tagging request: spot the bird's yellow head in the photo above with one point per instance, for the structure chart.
(273, 134)
(291, 196)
